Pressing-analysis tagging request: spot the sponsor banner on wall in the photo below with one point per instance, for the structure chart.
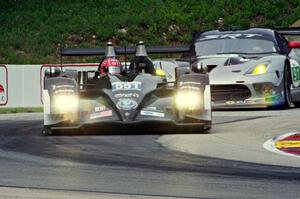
(3, 85)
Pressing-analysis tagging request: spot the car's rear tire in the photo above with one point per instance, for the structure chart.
(296, 104)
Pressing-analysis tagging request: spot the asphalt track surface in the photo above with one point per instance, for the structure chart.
(137, 165)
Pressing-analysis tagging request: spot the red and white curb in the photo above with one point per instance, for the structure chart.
(287, 144)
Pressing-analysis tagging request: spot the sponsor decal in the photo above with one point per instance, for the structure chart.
(221, 55)
(3, 85)
(111, 62)
(195, 83)
(230, 102)
(190, 85)
(152, 113)
(127, 104)
(1, 89)
(240, 102)
(64, 91)
(127, 95)
(151, 108)
(101, 114)
(100, 108)
(250, 101)
(126, 86)
(287, 144)
(230, 36)
(63, 86)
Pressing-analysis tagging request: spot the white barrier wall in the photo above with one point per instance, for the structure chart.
(21, 85)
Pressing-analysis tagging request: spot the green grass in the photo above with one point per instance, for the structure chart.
(20, 110)
(32, 30)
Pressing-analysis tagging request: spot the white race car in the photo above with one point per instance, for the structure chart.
(250, 68)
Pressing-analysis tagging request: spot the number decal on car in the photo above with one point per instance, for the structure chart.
(295, 71)
(122, 86)
(295, 67)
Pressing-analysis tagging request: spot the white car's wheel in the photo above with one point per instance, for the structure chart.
(287, 89)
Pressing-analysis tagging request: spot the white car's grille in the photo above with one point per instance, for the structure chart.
(233, 92)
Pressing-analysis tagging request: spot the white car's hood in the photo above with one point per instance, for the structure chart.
(227, 69)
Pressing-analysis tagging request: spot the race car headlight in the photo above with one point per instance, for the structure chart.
(190, 100)
(64, 103)
(260, 69)
(160, 72)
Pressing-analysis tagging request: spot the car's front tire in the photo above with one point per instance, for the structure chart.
(47, 131)
(287, 88)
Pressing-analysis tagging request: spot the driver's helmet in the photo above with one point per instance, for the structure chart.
(110, 66)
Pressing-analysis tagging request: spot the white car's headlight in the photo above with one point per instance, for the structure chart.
(64, 103)
(160, 72)
(259, 69)
(189, 100)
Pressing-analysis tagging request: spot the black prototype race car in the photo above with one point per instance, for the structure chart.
(138, 96)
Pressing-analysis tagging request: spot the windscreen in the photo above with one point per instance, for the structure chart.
(237, 45)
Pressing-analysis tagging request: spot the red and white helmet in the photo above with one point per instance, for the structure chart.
(110, 66)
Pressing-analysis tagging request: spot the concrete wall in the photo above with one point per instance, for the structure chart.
(21, 85)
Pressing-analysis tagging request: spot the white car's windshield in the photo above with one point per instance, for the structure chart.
(242, 46)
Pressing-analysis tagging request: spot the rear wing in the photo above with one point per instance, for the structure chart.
(288, 31)
(124, 50)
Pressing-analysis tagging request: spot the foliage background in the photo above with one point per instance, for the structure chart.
(32, 30)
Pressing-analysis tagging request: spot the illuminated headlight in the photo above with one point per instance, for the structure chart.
(189, 100)
(160, 72)
(260, 69)
(64, 103)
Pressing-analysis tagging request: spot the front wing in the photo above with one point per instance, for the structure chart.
(142, 124)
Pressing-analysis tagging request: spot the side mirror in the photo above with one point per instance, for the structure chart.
(294, 44)
(198, 67)
(52, 72)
